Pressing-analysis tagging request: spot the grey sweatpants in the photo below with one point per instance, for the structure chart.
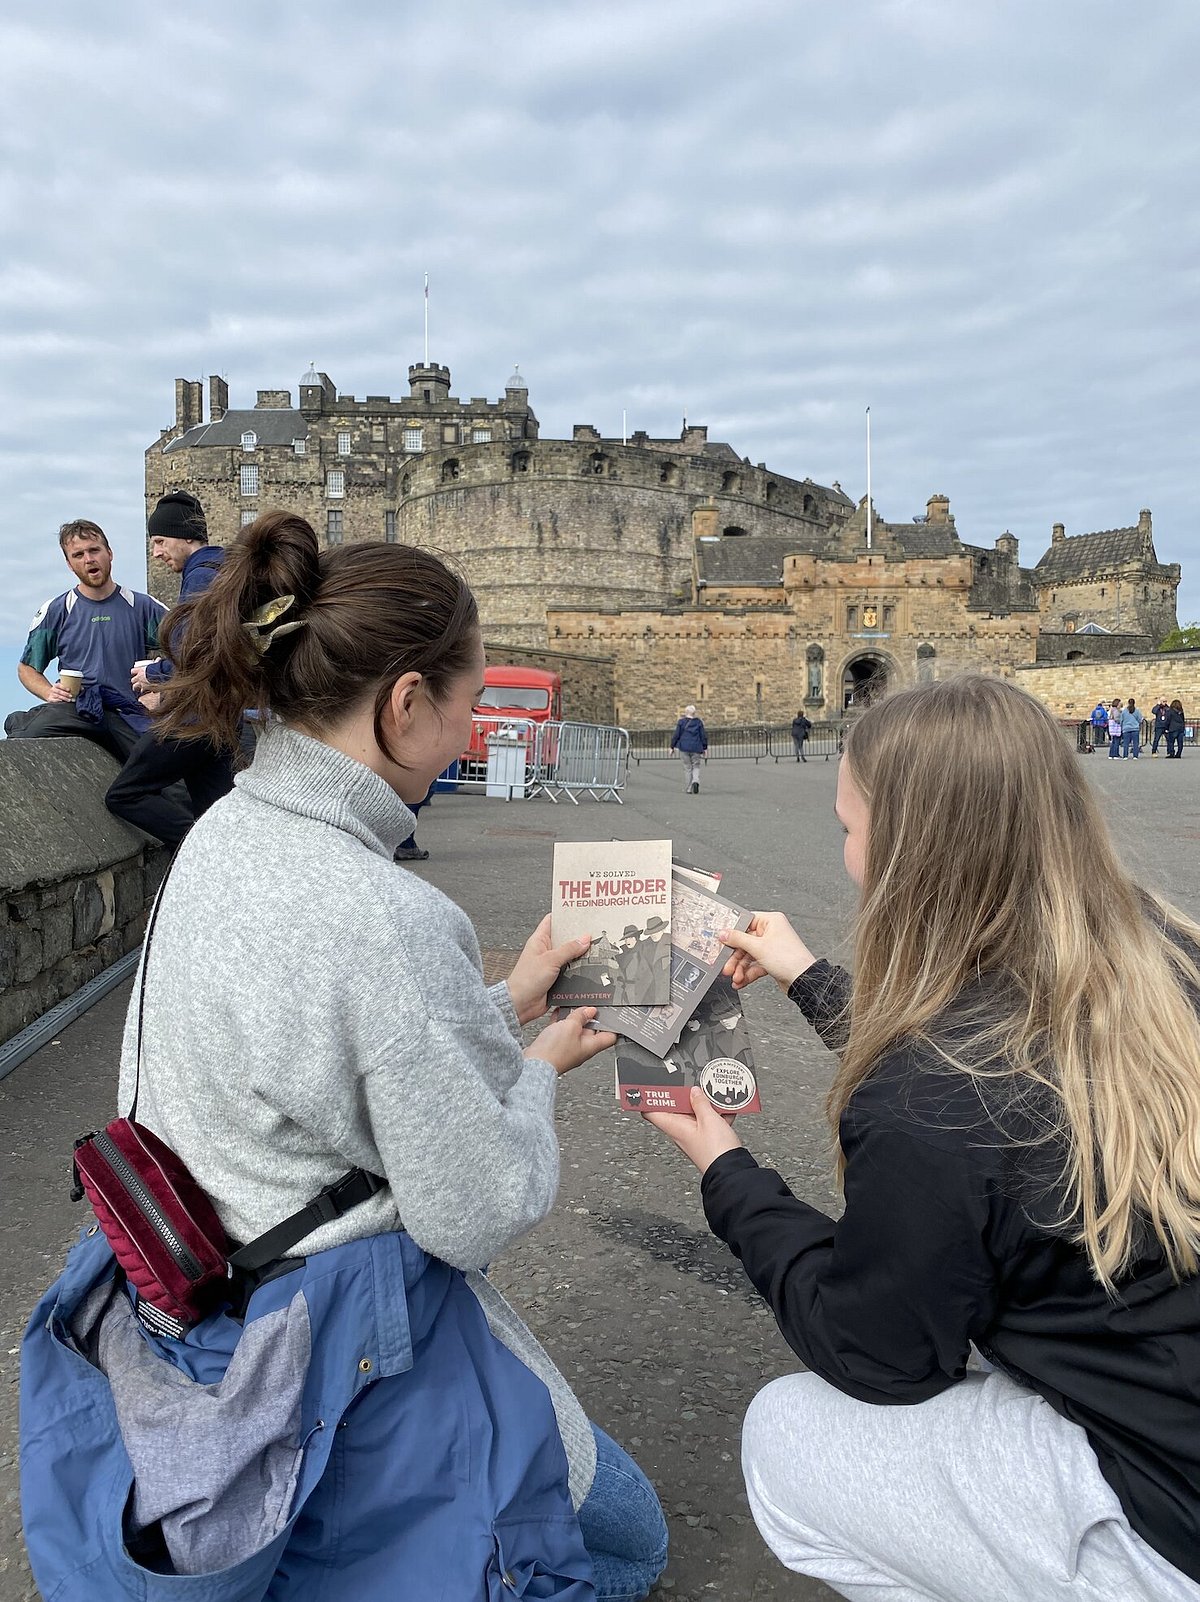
(691, 767)
(983, 1494)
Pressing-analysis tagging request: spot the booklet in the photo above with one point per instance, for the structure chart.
(620, 893)
(696, 959)
(713, 1052)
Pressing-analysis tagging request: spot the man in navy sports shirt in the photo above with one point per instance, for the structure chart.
(99, 629)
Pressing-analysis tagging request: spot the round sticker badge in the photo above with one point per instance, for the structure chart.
(728, 1084)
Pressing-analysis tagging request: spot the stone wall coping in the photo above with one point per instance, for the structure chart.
(56, 825)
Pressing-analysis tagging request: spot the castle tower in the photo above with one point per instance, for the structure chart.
(429, 382)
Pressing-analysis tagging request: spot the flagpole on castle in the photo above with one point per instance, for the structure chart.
(427, 319)
(868, 478)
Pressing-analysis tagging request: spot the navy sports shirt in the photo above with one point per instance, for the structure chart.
(100, 639)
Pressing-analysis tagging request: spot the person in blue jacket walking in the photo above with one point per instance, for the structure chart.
(691, 742)
(368, 1419)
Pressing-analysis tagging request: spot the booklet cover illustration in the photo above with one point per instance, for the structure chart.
(696, 958)
(619, 892)
(713, 1051)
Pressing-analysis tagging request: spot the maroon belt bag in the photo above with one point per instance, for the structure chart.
(163, 1229)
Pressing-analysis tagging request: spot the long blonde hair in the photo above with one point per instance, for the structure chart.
(987, 858)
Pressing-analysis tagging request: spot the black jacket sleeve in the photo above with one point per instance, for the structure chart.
(884, 1303)
(822, 994)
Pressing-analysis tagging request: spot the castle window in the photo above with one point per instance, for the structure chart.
(520, 462)
(343, 442)
(249, 440)
(925, 660)
(248, 516)
(733, 532)
(597, 464)
(1074, 656)
(335, 484)
(731, 483)
(1145, 592)
(406, 484)
(983, 564)
(481, 436)
(808, 504)
(248, 480)
(429, 395)
(889, 618)
(668, 473)
(412, 441)
(770, 491)
(702, 691)
(299, 447)
(389, 527)
(1101, 593)
(852, 619)
(333, 525)
(450, 470)
(449, 433)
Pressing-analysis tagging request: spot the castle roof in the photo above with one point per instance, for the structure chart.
(271, 425)
(752, 558)
(1084, 554)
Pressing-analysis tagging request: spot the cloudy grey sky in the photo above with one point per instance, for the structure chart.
(979, 219)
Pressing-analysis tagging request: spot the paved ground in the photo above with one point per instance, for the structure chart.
(645, 1312)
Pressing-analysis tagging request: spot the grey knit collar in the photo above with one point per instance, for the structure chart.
(302, 775)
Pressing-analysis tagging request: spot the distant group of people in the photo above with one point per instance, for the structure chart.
(1119, 724)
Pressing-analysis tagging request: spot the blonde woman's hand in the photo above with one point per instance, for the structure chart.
(538, 966)
(770, 947)
(568, 1041)
(703, 1135)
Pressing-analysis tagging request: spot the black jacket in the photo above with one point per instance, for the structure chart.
(949, 1238)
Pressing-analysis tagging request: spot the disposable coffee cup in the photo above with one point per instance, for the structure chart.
(71, 682)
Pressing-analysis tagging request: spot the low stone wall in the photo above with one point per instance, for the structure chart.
(74, 882)
(1073, 688)
(588, 681)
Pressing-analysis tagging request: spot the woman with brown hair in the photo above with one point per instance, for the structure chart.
(366, 1418)
(1017, 1110)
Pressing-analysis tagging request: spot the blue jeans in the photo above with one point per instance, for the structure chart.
(1132, 741)
(1175, 744)
(622, 1525)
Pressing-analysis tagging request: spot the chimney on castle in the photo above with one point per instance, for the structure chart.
(189, 402)
(937, 509)
(1006, 544)
(1146, 530)
(1057, 534)
(218, 398)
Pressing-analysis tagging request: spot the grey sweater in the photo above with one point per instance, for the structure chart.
(311, 1007)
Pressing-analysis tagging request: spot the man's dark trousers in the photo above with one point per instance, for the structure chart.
(136, 794)
(58, 720)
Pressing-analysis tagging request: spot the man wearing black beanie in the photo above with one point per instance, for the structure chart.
(179, 539)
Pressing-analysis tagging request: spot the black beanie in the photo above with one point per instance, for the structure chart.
(178, 516)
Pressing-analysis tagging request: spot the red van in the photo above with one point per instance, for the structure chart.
(531, 694)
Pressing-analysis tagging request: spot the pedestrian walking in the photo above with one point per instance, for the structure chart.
(691, 742)
(1020, 1159)
(364, 1417)
(801, 729)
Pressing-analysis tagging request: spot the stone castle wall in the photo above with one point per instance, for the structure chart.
(1139, 599)
(1073, 689)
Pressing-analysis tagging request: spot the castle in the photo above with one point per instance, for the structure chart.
(700, 576)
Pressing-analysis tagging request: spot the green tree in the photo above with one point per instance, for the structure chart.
(1185, 639)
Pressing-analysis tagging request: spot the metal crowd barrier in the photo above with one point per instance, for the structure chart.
(770, 741)
(520, 759)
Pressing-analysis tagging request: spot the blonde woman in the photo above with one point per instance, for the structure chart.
(1017, 1108)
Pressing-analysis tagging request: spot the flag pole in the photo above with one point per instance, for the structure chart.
(868, 478)
(427, 319)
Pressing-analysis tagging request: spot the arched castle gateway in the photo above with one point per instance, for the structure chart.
(702, 576)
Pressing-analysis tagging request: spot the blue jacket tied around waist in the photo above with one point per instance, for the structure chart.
(361, 1437)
